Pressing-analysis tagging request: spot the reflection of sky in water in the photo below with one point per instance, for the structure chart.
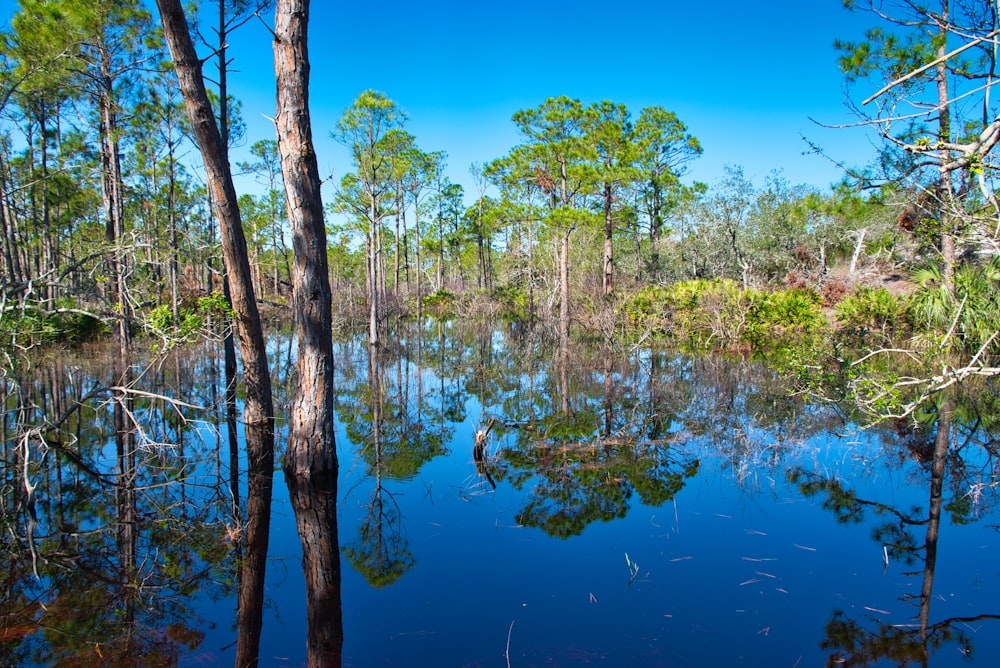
(741, 569)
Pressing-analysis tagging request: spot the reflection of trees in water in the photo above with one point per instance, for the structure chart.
(394, 443)
(386, 410)
(380, 552)
(105, 553)
(587, 436)
(589, 430)
(866, 640)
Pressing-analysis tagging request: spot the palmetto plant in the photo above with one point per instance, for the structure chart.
(966, 319)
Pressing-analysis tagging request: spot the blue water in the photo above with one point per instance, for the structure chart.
(637, 511)
(738, 569)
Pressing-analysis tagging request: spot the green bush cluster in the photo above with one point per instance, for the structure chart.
(965, 319)
(62, 325)
(719, 313)
(192, 316)
(513, 300)
(441, 302)
(774, 317)
(873, 311)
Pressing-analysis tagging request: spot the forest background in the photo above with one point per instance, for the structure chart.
(584, 214)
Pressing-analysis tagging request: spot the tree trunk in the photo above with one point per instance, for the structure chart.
(311, 447)
(396, 254)
(945, 193)
(564, 288)
(373, 291)
(942, 440)
(314, 502)
(655, 230)
(416, 254)
(258, 407)
(608, 249)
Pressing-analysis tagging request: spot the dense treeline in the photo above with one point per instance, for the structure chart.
(589, 223)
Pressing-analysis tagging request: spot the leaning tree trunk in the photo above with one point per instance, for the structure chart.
(258, 409)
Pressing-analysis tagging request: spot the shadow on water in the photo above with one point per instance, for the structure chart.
(545, 476)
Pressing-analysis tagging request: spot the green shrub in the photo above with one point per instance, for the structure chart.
(964, 319)
(644, 308)
(790, 310)
(513, 300)
(870, 310)
(442, 301)
(192, 316)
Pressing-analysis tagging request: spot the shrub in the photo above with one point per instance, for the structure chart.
(967, 318)
(775, 315)
(870, 310)
(644, 308)
(513, 300)
(442, 301)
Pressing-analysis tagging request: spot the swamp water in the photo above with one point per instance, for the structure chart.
(628, 508)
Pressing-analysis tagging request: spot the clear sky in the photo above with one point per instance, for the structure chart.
(746, 77)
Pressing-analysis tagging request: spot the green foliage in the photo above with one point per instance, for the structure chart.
(65, 324)
(872, 310)
(644, 308)
(788, 311)
(717, 313)
(960, 320)
(191, 318)
(441, 302)
(513, 299)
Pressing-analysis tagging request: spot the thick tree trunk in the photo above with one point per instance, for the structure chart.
(258, 407)
(311, 448)
(311, 462)
(314, 502)
(219, 178)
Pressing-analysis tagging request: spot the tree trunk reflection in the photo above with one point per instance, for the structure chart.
(314, 500)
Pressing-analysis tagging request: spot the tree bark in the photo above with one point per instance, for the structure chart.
(311, 462)
(311, 447)
(608, 248)
(945, 195)
(258, 407)
(314, 502)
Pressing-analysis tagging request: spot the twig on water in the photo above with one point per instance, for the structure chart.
(506, 654)
(633, 571)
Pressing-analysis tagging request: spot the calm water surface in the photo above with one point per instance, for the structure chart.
(629, 508)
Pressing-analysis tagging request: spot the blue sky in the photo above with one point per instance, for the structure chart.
(746, 77)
